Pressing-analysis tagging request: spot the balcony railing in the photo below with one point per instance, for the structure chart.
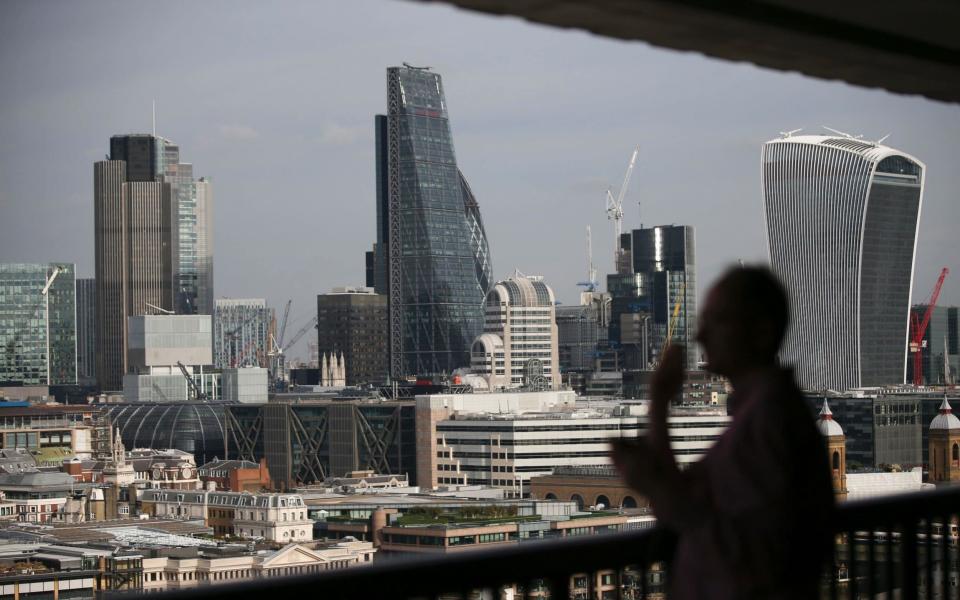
(897, 547)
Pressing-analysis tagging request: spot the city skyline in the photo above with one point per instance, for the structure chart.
(563, 146)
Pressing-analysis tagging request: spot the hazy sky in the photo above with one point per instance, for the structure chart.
(275, 103)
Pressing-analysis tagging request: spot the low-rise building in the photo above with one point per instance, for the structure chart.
(504, 440)
(173, 569)
(235, 475)
(279, 518)
(599, 486)
(51, 432)
(38, 496)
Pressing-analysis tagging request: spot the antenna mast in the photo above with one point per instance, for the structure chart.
(154, 118)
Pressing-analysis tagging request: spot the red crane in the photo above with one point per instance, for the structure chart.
(918, 328)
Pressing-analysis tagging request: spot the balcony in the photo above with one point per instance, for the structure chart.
(898, 547)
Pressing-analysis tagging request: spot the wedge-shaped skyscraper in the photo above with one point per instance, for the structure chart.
(431, 259)
(841, 216)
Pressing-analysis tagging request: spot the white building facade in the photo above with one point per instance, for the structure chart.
(505, 444)
(842, 217)
(518, 346)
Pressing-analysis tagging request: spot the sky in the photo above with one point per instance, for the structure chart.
(275, 103)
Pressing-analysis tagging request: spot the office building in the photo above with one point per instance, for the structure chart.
(841, 217)
(581, 331)
(159, 349)
(134, 226)
(940, 346)
(308, 440)
(38, 324)
(51, 433)
(273, 517)
(518, 346)
(504, 439)
(655, 302)
(432, 258)
(246, 385)
(153, 158)
(241, 332)
(86, 332)
(352, 324)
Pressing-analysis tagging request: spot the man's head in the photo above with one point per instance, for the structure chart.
(743, 321)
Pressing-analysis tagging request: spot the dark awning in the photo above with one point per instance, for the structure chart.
(903, 47)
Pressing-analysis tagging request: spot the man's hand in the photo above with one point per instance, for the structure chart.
(637, 463)
(664, 387)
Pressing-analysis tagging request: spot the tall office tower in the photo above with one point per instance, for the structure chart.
(38, 324)
(241, 332)
(432, 257)
(193, 251)
(656, 300)
(352, 323)
(582, 330)
(519, 338)
(940, 346)
(842, 218)
(666, 255)
(86, 331)
(134, 228)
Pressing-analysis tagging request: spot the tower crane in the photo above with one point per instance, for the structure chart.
(918, 328)
(283, 324)
(590, 285)
(278, 348)
(615, 210)
(197, 393)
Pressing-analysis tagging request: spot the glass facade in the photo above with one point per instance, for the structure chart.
(37, 330)
(197, 428)
(661, 284)
(86, 331)
(194, 261)
(437, 262)
(306, 443)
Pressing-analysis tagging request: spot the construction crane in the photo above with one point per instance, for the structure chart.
(674, 317)
(615, 211)
(590, 285)
(918, 328)
(199, 395)
(300, 333)
(283, 324)
(157, 308)
(277, 349)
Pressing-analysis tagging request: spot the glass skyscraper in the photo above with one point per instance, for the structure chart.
(658, 295)
(38, 330)
(432, 257)
(841, 216)
(86, 331)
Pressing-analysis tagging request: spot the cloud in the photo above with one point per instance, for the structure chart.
(239, 132)
(338, 135)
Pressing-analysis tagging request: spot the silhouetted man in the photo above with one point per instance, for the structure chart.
(753, 515)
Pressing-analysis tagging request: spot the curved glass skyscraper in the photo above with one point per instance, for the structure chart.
(432, 256)
(842, 218)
